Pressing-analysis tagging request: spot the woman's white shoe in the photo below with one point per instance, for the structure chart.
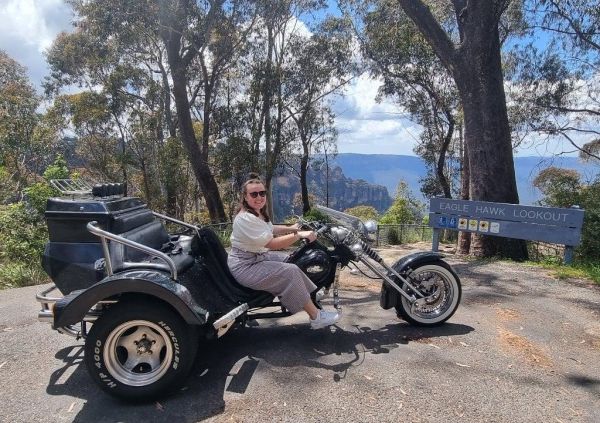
(324, 319)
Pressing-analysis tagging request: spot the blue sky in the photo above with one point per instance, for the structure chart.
(364, 126)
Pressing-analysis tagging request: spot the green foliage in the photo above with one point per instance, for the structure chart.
(38, 194)
(590, 241)
(18, 274)
(57, 170)
(563, 188)
(404, 209)
(393, 237)
(315, 215)
(23, 233)
(364, 213)
(578, 270)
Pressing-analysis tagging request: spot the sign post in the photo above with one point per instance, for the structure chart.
(547, 224)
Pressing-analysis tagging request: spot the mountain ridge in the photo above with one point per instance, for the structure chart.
(389, 169)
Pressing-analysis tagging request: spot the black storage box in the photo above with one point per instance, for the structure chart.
(71, 258)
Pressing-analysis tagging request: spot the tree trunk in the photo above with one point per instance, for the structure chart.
(487, 132)
(267, 102)
(206, 180)
(441, 163)
(303, 177)
(477, 69)
(464, 238)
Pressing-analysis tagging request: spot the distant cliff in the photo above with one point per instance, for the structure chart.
(343, 193)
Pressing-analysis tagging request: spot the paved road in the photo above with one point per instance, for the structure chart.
(522, 347)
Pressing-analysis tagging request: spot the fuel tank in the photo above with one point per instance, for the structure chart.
(316, 264)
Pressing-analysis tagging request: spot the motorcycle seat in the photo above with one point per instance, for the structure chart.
(207, 248)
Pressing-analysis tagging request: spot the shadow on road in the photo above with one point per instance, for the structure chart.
(229, 364)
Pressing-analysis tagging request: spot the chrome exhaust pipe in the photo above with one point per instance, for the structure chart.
(46, 316)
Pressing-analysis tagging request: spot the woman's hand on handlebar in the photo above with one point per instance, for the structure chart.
(309, 236)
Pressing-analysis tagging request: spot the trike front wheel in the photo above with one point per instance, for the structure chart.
(441, 286)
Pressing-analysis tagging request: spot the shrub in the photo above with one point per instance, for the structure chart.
(392, 236)
(24, 235)
(364, 213)
(314, 215)
(18, 274)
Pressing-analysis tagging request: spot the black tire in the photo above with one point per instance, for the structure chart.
(444, 292)
(140, 350)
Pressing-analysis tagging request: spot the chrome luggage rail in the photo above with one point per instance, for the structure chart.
(104, 235)
(173, 220)
(46, 314)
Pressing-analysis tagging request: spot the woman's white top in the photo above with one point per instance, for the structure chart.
(251, 233)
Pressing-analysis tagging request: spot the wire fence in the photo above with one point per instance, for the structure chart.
(388, 235)
(402, 234)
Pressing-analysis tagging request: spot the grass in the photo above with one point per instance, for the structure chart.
(578, 270)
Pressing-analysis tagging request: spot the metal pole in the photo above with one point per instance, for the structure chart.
(568, 254)
(435, 242)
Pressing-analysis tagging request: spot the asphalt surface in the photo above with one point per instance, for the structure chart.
(522, 347)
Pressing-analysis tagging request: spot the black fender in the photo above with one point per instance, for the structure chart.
(389, 296)
(72, 308)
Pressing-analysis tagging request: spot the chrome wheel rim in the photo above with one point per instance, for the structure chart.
(436, 284)
(138, 353)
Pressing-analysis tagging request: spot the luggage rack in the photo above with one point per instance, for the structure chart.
(81, 188)
(72, 186)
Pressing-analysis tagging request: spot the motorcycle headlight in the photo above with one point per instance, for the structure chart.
(339, 233)
(371, 226)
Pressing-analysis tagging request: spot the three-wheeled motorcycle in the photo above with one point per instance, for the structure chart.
(142, 297)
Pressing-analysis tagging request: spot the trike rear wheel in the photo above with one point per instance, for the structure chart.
(139, 350)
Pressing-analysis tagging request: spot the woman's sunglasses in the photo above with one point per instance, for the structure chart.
(257, 193)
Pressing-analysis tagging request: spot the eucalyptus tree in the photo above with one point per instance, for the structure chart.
(472, 56)
(272, 54)
(18, 104)
(123, 71)
(186, 46)
(27, 138)
(556, 85)
(416, 79)
(321, 65)
(207, 36)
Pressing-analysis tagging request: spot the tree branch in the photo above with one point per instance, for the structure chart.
(583, 151)
(575, 26)
(420, 14)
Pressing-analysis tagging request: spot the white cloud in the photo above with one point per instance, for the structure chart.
(29, 27)
(367, 126)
